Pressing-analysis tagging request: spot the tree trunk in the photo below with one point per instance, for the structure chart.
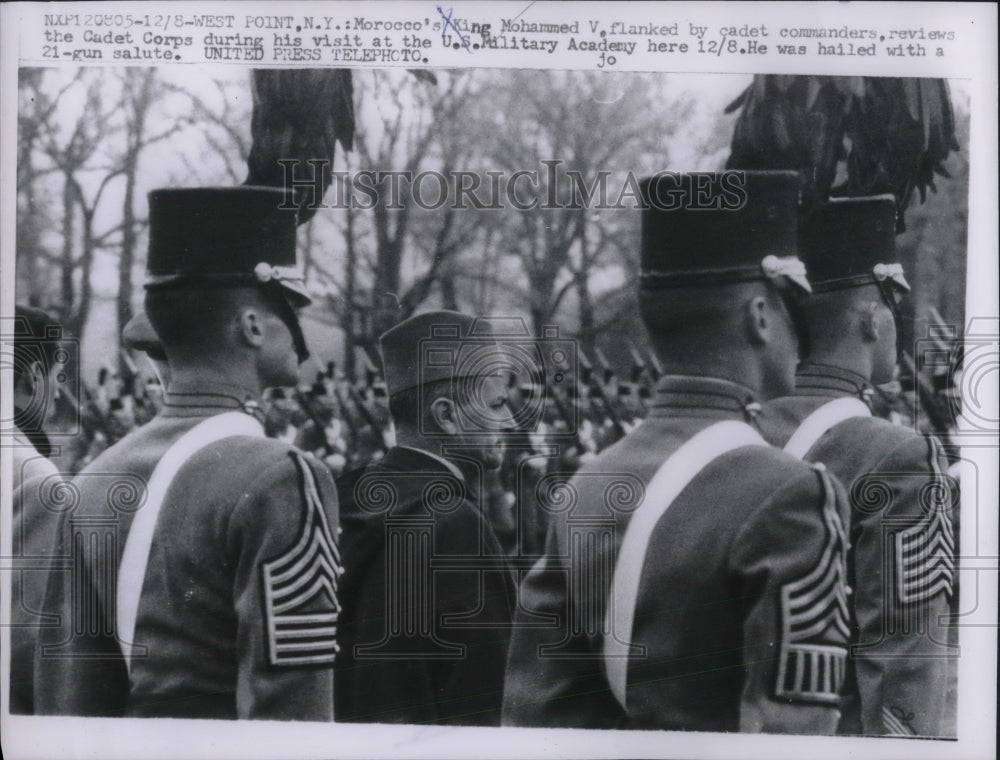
(307, 250)
(449, 297)
(29, 249)
(588, 326)
(139, 102)
(127, 260)
(539, 317)
(351, 321)
(86, 265)
(586, 312)
(67, 264)
(385, 292)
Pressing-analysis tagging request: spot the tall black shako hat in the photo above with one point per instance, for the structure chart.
(227, 236)
(706, 228)
(849, 242)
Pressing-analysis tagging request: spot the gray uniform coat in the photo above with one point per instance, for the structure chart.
(903, 512)
(740, 620)
(237, 612)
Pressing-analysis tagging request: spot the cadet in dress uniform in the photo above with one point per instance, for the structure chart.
(36, 373)
(902, 501)
(200, 567)
(427, 595)
(695, 577)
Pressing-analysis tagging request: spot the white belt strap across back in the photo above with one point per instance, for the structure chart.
(132, 571)
(670, 480)
(822, 419)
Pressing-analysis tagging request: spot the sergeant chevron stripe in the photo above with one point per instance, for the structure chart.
(894, 722)
(814, 616)
(925, 561)
(300, 588)
(925, 553)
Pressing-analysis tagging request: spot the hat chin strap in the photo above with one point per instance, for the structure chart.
(798, 317)
(885, 276)
(788, 274)
(885, 289)
(287, 314)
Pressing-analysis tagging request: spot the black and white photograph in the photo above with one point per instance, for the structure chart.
(500, 379)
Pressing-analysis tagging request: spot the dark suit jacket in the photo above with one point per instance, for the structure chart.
(427, 596)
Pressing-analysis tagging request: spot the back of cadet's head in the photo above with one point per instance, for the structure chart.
(194, 321)
(832, 315)
(212, 252)
(710, 244)
(701, 316)
(37, 337)
(848, 245)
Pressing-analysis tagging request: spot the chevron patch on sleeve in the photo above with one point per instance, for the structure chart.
(300, 588)
(896, 722)
(925, 552)
(925, 558)
(814, 620)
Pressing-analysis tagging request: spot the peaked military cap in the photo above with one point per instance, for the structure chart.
(439, 345)
(710, 228)
(223, 235)
(849, 242)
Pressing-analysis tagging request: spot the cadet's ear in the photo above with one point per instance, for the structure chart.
(869, 322)
(251, 327)
(443, 413)
(758, 319)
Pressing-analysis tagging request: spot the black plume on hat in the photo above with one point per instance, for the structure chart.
(849, 242)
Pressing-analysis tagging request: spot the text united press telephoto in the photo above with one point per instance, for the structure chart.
(510, 365)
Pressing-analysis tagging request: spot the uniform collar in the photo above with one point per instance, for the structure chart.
(206, 399)
(703, 397)
(814, 379)
(405, 457)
